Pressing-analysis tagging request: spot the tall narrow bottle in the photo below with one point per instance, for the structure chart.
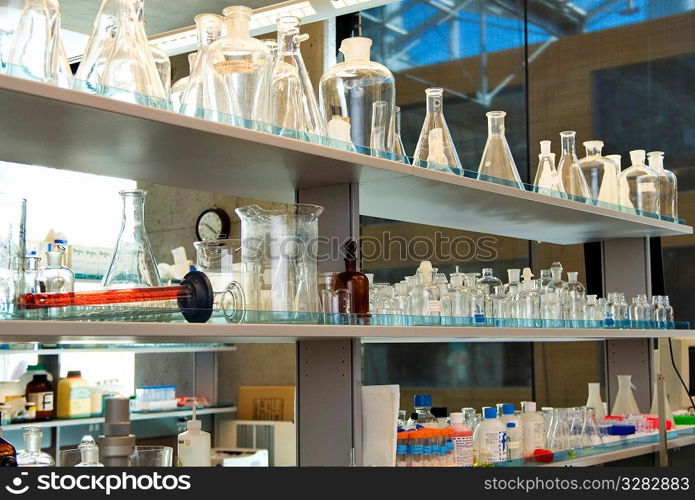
(435, 148)
(132, 262)
(547, 180)
(395, 138)
(497, 161)
(208, 29)
(668, 185)
(639, 185)
(570, 172)
(354, 281)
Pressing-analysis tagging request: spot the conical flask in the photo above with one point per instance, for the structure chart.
(395, 137)
(571, 174)
(209, 30)
(547, 179)
(668, 185)
(590, 435)
(292, 100)
(654, 409)
(130, 73)
(639, 185)
(435, 148)
(625, 402)
(497, 161)
(163, 65)
(99, 45)
(132, 262)
(37, 50)
(179, 86)
(599, 174)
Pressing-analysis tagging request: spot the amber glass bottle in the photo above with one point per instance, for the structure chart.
(40, 391)
(354, 281)
(8, 455)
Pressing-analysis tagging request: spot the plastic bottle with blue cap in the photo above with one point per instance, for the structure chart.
(490, 439)
(514, 433)
(423, 405)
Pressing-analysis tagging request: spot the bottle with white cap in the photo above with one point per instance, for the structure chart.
(194, 444)
(532, 429)
(425, 297)
(55, 277)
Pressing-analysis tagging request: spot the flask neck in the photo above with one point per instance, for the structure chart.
(567, 141)
(237, 26)
(593, 150)
(350, 265)
(133, 211)
(32, 441)
(209, 29)
(495, 122)
(90, 455)
(434, 101)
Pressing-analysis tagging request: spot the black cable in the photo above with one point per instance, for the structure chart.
(673, 362)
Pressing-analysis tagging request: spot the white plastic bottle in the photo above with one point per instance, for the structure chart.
(532, 429)
(490, 439)
(514, 432)
(462, 438)
(194, 445)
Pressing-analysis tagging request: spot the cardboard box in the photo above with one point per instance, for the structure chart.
(266, 402)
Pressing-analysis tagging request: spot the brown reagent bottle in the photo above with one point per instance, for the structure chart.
(354, 281)
(40, 391)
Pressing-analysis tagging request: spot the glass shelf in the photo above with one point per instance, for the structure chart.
(140, 348)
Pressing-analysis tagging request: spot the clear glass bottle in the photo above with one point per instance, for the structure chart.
(99, 45)
(395, 139)
(498, 307)
(527, 304)
(489, 279)
(435, 148)
(89, 453)
(639, 185)
(599, 173)
(293, 105)
(552, 309)
(514, 282)
(497, 161)
(556, 282)
(670, 317)
(37, 49)
(349, 90)
(668, 185)
(31, 270)
(425, 297)
(423, 405)
(179, 86)
(574, 299)
(545, 278)
(193, 99)
(10, 13)
(130, 72)
(132, 262)
(55, 277)
(591, 312)
(639, 312)
(570, 172)
(455, 306)
(476, 298)
(32, 456)
(548, 180)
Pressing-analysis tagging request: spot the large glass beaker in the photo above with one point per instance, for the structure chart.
(12, 247)
(132, 262)
(279, 257)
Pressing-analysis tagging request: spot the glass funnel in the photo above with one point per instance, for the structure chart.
(547, 180)
(639, 185)
(599, 173)
(209, 29)
(349, 90)
(179, 86)
(570, 172)
(132, 262)
(435, 148)
(10, 13)
(668, 185)
(497, 161)
(293, 106)
(130, 72)
(279, 257)
(37, 50)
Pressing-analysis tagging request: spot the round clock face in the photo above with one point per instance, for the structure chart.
(213, 224)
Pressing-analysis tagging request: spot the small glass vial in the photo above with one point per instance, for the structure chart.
(55, 277)
(89, 451)
(32, 456)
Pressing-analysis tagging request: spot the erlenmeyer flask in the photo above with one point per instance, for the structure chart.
(625, 402)
(395, 140)
(132, 262)
(292, 100)
(547, 179)
(179, 86)
(591, 435)
(668, 185)
(36, 48)
(558, 433)
(130, 73)
(440, 154)
(599, 174)
(571, 174)
(654, 409)
(497, 161)
(639, 185)
(380, 127)
(99, 45)
(10, 13)
(209, 29)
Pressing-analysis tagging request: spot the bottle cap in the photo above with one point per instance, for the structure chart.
(527, 274)
(528, 406)
(439, 411)
(403, 435)
(591, 299)
(489, 412)
(513, 275)
(54, 258)
(40, 376)
(356, 48)
(637, 156)
(511, 425)
(421, 400)
(36, 367)
(507, 409)
(545, 147)
(413, 416)
(456, 418)
(74, 374)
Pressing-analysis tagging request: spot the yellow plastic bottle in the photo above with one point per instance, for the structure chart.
(74, 396)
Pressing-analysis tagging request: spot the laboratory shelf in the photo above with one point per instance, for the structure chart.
(103, 332)
(140, 348)
(50, 126)
(151, 415)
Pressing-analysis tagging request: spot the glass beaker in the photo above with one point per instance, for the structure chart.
(219, 260)
(279, 257)
(380, 127)
(547, 180)
(209, 29)
(497, 161)
(292, 100)
(435, 148)
(12, 247)
(130, 73)
(151, 456)
(571, 174)
(668, 185)
(639, 185)
(37, 50)
(132, 262)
